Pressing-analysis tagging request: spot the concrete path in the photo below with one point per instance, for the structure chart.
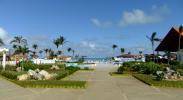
(101, 86)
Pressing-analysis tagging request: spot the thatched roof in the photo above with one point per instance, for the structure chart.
(171, 41)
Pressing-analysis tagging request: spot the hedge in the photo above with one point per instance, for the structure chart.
(51, 84)
(148, 79)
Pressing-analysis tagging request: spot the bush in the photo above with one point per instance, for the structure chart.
(150, 68)
(44, 66)
(159, 75)
(61, 75)
(28, 65)
(143, 67)
(120, 70)
(148, 79)
(11, 74)
(51, 84)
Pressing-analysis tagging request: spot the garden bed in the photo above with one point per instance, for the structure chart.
(148, 79)
(55, 82)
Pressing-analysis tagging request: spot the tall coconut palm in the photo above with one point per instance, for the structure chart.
(62, 40)
(59, 52)
(46, 52)
(35, 47)
(140, 52)
(122, 50)
(40, 52)
(181, 33)
(114, 46)
(19, 40)
(57, 43)
(73, 52)
(1, 42)
(69, 50)
(153, 38)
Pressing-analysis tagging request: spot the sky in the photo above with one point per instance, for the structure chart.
(91, 27)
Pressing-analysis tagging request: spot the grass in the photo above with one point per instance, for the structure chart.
(148, 79)
(50, 84)
(117, 74)
(87, 69)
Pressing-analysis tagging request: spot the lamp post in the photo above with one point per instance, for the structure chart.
(4, 50)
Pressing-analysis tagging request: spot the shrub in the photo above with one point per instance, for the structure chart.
(150, 68)
(11, 74)
(148, 79)
(120, 70)
(28, 65)
(51, 84)
(159, 75)
(61, 75)
(86, 68)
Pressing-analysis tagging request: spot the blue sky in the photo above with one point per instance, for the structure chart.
(90, 26)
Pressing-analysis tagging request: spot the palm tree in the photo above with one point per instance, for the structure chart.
(114, 46)
(122, 50)
(56, 42)
(180, 31)
(40, 52)
(34, 46)
(153, 39)
(1, 42)
(25, 50)
(62, 40)
(69, 49)
(19, 40)
(140, 52)
(59, 52)
(46, 52)
(73, 51)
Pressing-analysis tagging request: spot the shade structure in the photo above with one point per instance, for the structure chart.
(171, 41)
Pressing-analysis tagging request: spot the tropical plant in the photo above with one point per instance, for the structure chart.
(114, 46)
(35, 47)
(122, 50)
(153, 38)
(59, 52)
(46, 52)
(73, 51)
(19, 41)
(56, 42)
(62, 40)
(140, 52)
(40, 52)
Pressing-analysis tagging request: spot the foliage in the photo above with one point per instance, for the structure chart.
(120, 70)
(142, 67)
(159, 75)
(150, 80)
(28, 65)
(51, 84)
(11, 74)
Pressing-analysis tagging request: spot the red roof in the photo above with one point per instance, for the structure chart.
(171, 41)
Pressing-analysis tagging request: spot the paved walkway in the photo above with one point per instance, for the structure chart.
(101, 86)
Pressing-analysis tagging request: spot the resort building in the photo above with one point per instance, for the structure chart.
(172, 42)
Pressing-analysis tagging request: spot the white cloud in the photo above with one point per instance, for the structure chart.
(138, 16)
(155, 14)
(99, 23)
(88, 44)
